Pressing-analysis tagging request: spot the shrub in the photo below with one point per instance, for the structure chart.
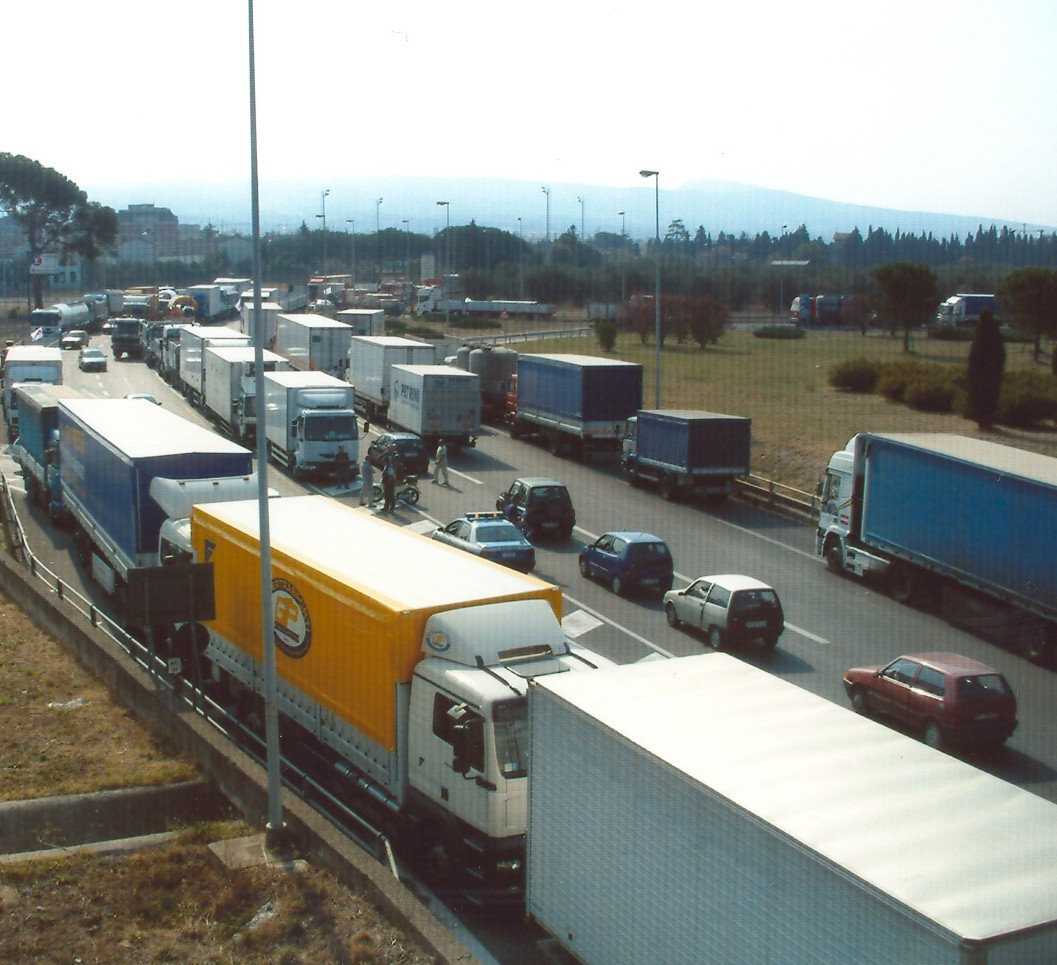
(855, 375)
(950, 334)
(1026, 398)
(894, 377)
(778, 331)
(930, 392)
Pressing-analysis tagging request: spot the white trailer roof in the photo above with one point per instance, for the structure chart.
(305, 378)
(142, 431)
(398, 568)
(963, 849)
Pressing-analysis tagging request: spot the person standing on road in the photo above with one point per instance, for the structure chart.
(389, 485)
(440, 464)
(343, 467)
(367, 475)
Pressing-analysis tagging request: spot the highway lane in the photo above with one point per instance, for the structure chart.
(832, 622)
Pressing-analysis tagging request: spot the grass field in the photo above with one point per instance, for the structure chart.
(798, 421)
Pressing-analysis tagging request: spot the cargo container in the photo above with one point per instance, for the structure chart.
(402, 667)
(25, 364)
(308, 417)
(37, 449)
(575, 403)
(930, 513)
(702, 810)
(436, 402)
(231, 386)
(313, 343)
(685, 452)
(371, 361)
(363, 321)
(111, 450)
(191, 380)
(210, 304)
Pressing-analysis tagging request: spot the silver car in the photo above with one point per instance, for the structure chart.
(729, 608)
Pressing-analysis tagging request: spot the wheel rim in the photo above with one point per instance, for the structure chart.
(616, 586)
(933, 735)
(583, 568)
(715, 638)
(669, 613)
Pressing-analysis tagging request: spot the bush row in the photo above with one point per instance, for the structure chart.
(1026, 399)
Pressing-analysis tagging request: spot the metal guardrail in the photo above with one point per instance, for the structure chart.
(778, 497)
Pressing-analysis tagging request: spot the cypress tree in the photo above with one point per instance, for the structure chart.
(987, 360)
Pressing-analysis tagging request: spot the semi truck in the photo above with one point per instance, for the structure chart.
(934, 513)
(699, 809)
(63, 316)
(27, 364)
(685, 452)
(402, 667)
(111, 451)
(436, 402)
(37, 449)
(363, 321)
(210, 303)
(194, 340)
(308, 417)
(576, 403)
(313, 342)
(231, 386)
(371, 361)
(126, 337)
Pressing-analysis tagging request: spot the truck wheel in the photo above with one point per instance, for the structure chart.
(901, 583)
(671, 616)
(666, 487)
(632, 476)
(834, 556)
(715, 638)
(934, 735)
(1037, 643)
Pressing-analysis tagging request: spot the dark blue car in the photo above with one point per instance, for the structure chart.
(629, 561)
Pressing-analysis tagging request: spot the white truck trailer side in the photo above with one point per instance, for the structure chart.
(231, 386)
(701, 810)
(436, 402)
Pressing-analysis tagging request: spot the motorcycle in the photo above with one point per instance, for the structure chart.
(406, 490)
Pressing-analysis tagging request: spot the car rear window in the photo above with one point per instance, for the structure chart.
(985, 686)
(750, 599)
(647, 552)
(549, 494)
(498, 533)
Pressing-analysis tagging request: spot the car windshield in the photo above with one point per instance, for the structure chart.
(985, 686)
(511, 736)
(92, 353)
(328, 428)
(750, 599)
(498, 533)
(647, 552)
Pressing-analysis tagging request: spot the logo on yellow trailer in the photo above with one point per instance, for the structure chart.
(293, 624)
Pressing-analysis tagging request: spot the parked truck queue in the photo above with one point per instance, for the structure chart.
(469, 663)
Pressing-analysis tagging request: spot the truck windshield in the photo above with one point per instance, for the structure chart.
(511, 736)
(324, 427)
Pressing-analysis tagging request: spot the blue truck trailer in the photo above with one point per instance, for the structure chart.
(933, 512)
(686, 452)
(112, 450)
(37, 448)
(576, 403)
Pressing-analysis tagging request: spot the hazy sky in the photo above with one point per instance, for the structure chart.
(927, 105)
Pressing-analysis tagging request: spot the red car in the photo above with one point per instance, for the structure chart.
(952, 700)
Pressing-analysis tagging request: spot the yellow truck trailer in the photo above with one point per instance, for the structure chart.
(402, 664)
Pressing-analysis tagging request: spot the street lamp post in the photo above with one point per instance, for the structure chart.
(352, 221)
(581, 200)
(378, 236)
(521, 260)
(446, 205)
(323, 200)
(656, 279)
(407, 249)
(623, 258)
(547, 192)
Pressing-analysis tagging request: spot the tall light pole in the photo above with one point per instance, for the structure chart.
(547, 192)
(656, 278)
(323, 201)
(581, 200)
(446, 205)
(521, 260)
(623, 255)
(352, 221)
(407, 249)
(378, 236)
(275, 834)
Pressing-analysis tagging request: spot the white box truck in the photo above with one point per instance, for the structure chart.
(436, 402)
(363, 321)
(231, 386)
(313, 342)
(191, 379)
(308, 417)
(24, 364)
(371, 359)
(702, 810)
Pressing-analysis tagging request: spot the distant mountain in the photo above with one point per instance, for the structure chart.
(716, 205)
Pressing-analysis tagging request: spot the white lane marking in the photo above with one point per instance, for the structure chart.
(811, 636)
(616, 626)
